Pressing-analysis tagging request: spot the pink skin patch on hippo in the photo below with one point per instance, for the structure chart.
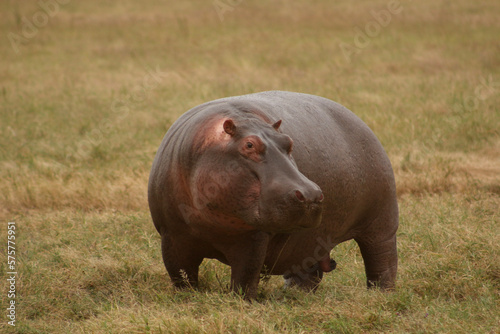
(211, 133)
(213, 203)
(229, 224)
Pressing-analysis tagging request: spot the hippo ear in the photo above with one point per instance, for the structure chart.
(229, 127)
(276, 125)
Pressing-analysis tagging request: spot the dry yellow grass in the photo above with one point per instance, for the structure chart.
(421, 173)
(87, 98)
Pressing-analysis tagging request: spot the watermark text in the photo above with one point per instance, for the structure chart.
(30, 27)
(11, 273)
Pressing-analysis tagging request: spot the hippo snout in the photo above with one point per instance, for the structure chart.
(307, 204)
(294, 195)
(295, 209)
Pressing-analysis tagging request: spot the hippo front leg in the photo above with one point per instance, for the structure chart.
(181, 261)
(246, 257)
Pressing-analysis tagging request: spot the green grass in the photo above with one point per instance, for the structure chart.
(86, 101)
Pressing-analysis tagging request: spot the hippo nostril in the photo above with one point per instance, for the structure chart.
(300, 196)
(316, 197)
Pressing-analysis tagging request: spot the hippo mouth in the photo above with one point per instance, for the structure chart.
(286, 218)
(311, 216)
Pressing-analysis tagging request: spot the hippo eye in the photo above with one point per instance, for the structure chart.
(252, 148)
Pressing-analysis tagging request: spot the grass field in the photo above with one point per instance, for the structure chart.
(88, 89)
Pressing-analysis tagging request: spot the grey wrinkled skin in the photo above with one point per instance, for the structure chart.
(231, 182)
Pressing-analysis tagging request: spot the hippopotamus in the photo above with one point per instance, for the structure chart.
(270, 183)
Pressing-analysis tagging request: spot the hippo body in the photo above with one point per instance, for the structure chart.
(271, 182)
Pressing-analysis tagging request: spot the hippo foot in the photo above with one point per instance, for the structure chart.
(310, 279)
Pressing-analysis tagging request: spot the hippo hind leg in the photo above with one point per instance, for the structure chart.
(182, 261)
(380, 256)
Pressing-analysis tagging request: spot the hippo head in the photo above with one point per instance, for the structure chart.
(266, 191)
